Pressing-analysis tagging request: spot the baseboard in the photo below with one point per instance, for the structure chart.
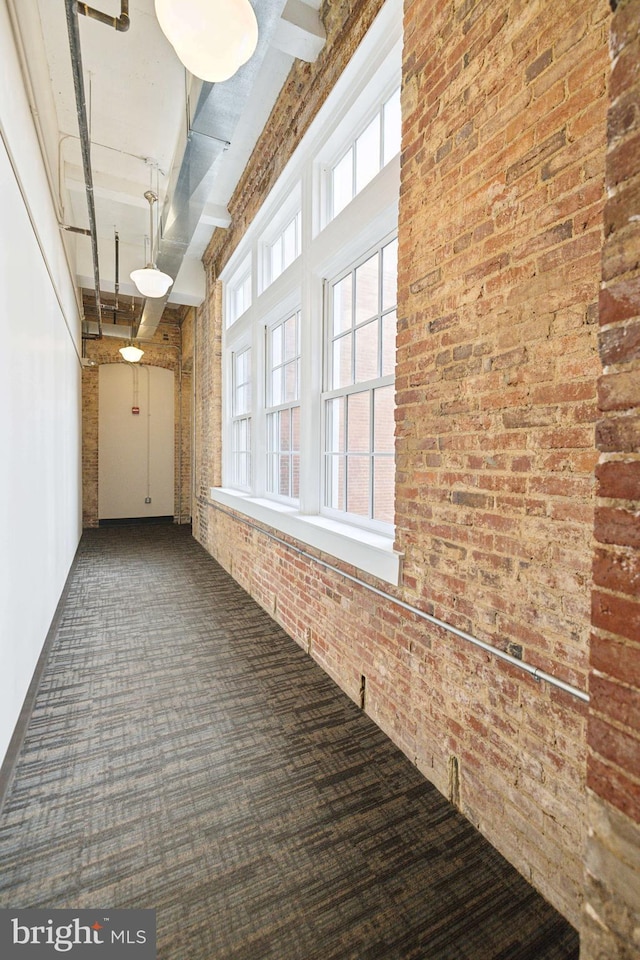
(15, 744)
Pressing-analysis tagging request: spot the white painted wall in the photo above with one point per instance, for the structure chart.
(40, 376)
(135, 451)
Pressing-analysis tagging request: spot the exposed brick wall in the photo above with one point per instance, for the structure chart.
(501, 214)
(208, 403)
(612, 915)
(163, 351)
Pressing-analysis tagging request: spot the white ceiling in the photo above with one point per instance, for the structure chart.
(136, 92)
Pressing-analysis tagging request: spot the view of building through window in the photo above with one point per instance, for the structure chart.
(241, 420)
(359, 404)
(283, 407)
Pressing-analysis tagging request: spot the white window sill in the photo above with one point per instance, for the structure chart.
(365, 550)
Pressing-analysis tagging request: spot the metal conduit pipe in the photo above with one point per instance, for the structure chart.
(120, 23)
(81, 108)
(529, 668)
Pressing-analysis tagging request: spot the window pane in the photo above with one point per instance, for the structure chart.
(295, 476)
(285, 430)
(342, 182)
(358, 422)
(290, 337)
(390, 275)
(392, 127)
(368, 154)
(244, 398)
(383, 489)
(367, 351)
(291, 381)
(335, 425)
(295, 428)
(334, 486)
(272, 472)
(389, 325)
(367, 289)
(290, 251)
(342, 305)
(276, 345)
(273, 442)
(276, 387)
(358, 475)
(341, 372)
(283, 489)
(383, 419)
(276, 259)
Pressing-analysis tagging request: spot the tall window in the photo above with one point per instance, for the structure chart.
(359, 399)
(310, 301)
(241, 418)
(367, 155)
(283, 407)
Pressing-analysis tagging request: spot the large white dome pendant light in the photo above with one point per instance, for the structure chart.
(150, 281)
(212, 38)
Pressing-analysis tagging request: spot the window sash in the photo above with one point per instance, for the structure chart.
(365, 156)
(282, 406)
(358, 400)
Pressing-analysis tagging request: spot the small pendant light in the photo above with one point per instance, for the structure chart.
(131, 353)
(150, 281)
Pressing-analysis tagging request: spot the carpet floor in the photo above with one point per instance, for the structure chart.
(184, 754)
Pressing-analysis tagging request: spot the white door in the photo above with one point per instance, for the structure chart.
(135, 441)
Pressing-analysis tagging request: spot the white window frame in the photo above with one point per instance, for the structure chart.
(328, 246)
(279, 407)
(376, 114)
(239, 292)
(241, 421)
(355, 388)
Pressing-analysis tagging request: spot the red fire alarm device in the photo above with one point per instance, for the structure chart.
(135, 409)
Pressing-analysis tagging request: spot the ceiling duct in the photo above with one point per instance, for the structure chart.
(209, 129)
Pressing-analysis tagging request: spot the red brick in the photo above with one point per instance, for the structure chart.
(621, 435)
(622, 162)
(624, 29)
(620, 301)
(619, 479)
(619, 391)
(620, 527)
(620, 208)
(616, 659)
(616, 701)
(624, 115)
(625, 70)
(617, 615)
(613, 785)
(614, 745)
(617, 570)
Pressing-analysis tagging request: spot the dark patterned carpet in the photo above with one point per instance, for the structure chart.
(184, 754)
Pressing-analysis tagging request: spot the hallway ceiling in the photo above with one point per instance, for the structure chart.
(138, 99)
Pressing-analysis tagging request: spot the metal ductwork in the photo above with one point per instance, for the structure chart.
(210, 123)
(218, 108)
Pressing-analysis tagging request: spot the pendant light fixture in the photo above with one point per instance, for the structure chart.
(131, 353)
(212, 38)
(150, 281)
